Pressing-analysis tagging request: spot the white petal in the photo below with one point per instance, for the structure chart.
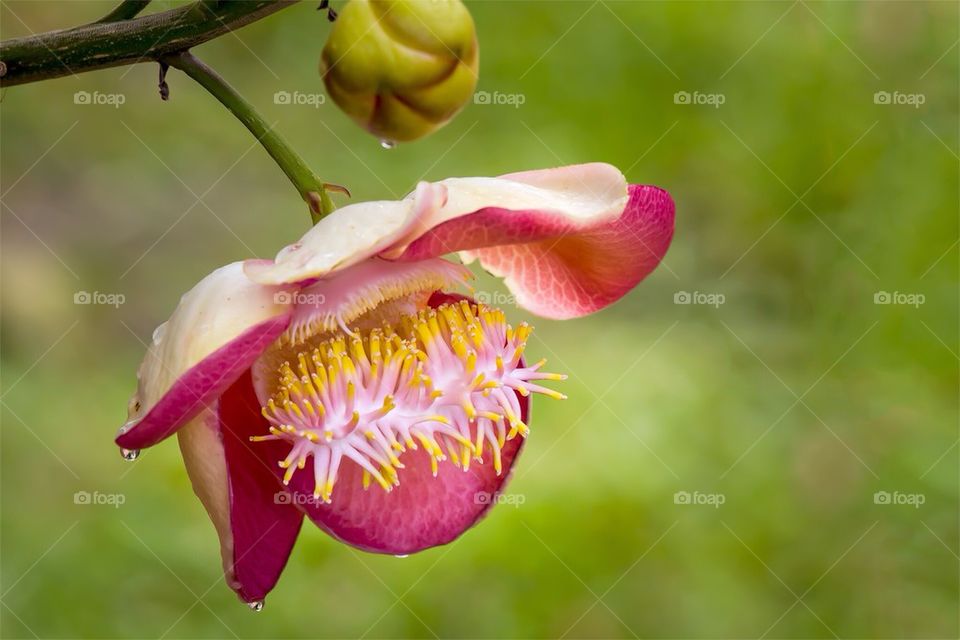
(581, 195)
(347, 236)
(219, 328)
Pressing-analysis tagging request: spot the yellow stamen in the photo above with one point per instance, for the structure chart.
(367, 397)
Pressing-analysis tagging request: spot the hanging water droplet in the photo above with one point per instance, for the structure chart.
(388, 144)
(130, 454)
(256, 605)
(405, 555)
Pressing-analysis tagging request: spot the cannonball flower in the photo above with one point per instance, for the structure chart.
(348, 381)
(401, 68)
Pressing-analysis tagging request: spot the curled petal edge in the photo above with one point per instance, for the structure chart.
(217, 331)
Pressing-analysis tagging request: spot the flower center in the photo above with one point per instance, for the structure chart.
(446, 379)
(373, 291)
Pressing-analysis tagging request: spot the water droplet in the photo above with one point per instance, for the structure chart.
(256, 605)
(388, 144)
(405, 555)
(130, 454)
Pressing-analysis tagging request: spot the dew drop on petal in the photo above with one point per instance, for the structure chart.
(388, 144)
(256, 605)
(130, 454)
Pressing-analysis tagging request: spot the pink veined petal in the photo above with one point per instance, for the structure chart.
(219, 328)
(263, 523)
(557, 266)
(575, 197)
(422, 512)
(578, 196)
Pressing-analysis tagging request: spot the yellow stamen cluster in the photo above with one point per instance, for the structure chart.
(447, 379)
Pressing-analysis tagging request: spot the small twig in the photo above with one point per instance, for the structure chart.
(164, 87)
(331, 14)
(146, 38)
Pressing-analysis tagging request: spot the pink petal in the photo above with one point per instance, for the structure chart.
(556, 265)
(263, 523)
(219, 328)
(574, 197)
(201, 384)
(422, 512)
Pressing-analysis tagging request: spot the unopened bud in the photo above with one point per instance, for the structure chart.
(401, 68)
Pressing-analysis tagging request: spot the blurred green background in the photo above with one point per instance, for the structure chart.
(796, 400)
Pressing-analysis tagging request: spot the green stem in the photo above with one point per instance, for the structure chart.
(125, 10)
(310, 187)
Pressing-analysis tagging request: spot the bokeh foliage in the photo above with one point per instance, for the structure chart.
(146, 198)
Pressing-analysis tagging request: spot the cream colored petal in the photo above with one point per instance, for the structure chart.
(581, 195)
(218, 309)
(575, 196)
(217, 330)
(202, 450)
(345, 237)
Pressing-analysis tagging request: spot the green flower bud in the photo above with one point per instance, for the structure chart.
(401, 68)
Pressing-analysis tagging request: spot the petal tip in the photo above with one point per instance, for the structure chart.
(122, 441)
